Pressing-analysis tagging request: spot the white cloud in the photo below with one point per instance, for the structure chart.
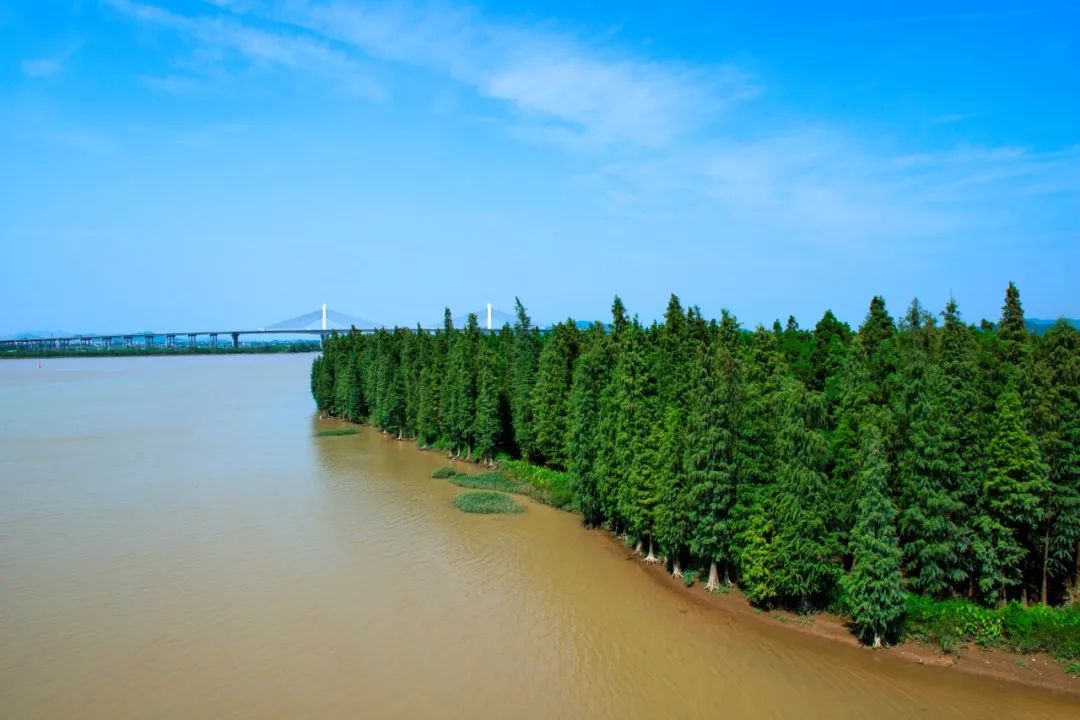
(559, 85)
(261, 48)
(660, 135)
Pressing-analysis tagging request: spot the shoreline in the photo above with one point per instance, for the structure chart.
(1038, 671)
(1033, 671)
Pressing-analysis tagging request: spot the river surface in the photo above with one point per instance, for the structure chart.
(175, 542)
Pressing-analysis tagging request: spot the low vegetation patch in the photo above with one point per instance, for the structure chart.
(445, 472)
(951, 623)
(486, 502)
(334, 432)
(487, 481)
(551, 487)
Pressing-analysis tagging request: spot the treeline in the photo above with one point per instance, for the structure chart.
(815, 468)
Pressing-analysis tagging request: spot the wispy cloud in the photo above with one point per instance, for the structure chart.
(258, 47)
(657, 133)
(43, 67)
(558, 85)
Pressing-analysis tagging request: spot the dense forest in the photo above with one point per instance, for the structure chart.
(814, 468)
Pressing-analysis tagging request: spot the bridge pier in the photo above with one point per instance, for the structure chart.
(170, 341)
(191, 340)
(235, 340)
(148, 341)
(213, 339)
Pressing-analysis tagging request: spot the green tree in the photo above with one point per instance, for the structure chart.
(805, 547)
(487, 426)
(524, 357)
(712, 458)
(584, 440)
(875, 588)
(551, 395)
(1015, 492)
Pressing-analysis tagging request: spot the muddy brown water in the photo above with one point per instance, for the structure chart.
(175, 542)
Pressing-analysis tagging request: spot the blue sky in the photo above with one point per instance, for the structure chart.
(176, 165)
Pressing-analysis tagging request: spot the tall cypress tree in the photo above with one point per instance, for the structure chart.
(461, 408)
(551, 395)
(1055, 423)
(875, 587)
(711, 458)
(635, 436)
(927, 468)
(584, 440)
(524, 357)
(805, 547)
(1015, 492)
(672, 513)
(487, 428)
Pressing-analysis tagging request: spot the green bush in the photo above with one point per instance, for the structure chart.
(548, 486)
(485, 502)
(334, 432)
(689, 577)
(1038, 628)
(445, 472)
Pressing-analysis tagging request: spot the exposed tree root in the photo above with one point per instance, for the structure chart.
(676, 571)
(651, 558)
(714, 581)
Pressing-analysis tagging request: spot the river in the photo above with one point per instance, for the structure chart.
(176, 542)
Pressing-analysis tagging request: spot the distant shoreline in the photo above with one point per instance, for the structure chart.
(20, 354)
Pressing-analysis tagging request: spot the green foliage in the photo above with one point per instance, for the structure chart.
(335, 432)
(551, 487)
(951, 623)
(486, 503)
(874, 588)
(488, 481)
(748, 449)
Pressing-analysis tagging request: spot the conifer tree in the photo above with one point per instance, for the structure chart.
(551, 395)
(1012, 329)
(1055, 422)
(805, 547)
(635, 437)
(929, 496)
(524, 357)
(711, 458)
(487, 426)
(461, 408)
(584, 440)
(875, 588)
(1015, 492)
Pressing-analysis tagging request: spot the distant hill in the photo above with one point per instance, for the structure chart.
(1039, 327)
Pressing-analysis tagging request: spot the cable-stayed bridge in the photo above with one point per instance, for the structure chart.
(318, 323)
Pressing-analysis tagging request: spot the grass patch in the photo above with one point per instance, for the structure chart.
(445, 472)
(689, 577)
(335, 432)
(551, 487)
(488, 481)
(486, 503)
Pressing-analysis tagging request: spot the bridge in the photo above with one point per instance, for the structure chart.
(319, 323)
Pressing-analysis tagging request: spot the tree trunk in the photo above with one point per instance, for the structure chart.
(877, 640)
(650, 558)
(637, 547)
(1046, 558)
(714, 581)
(727, 573)
(676, 571)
